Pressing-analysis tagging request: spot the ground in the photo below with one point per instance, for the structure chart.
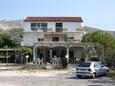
(9, 76)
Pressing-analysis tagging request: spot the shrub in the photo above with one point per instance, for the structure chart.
(26, 51)
(109, 61)
(82, 59)
(94, 59)
(64, 62)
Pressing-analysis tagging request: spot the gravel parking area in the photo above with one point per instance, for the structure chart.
(49, 78)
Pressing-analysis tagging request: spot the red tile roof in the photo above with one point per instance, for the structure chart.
(53, 19)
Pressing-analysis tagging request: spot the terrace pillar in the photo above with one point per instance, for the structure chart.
(67, 55)
(34, 54)
(50, 52)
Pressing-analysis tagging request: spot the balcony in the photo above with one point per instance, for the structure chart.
(54, 44)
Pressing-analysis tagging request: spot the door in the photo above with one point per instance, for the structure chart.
(102, 69)
(97, 69)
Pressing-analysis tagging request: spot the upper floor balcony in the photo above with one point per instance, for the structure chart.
(53, 26)
(50, 30)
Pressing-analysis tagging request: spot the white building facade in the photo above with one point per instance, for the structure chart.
(53, 36)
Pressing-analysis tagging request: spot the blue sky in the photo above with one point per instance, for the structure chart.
(95, 13)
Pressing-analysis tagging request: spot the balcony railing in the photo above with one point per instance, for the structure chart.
(59, 43)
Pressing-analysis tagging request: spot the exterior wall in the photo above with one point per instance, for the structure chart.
(51, 25)
(29, 39)
(27, 26)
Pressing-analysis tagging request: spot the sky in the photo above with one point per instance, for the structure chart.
(95, 13)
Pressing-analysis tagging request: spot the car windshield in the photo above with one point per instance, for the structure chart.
(84, 64)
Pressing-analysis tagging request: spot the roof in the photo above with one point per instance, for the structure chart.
(53, 19)
(7, 49)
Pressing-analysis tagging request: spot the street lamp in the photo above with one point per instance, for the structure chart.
(27, 56)
(67, 57)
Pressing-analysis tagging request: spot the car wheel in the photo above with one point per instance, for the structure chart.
(78, 76)
(93, 75)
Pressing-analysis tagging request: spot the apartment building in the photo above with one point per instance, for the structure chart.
(54, 37)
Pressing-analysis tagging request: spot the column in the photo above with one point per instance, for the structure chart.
(50, 52)
(34, 54)
(44, 53)
(67, 55)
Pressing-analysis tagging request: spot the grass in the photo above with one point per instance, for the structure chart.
(37, 69)
(31, 69)
(112, 74)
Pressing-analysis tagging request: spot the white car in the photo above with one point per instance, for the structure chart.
(91, 69)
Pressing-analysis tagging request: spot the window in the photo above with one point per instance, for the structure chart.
(96, 65)
(59, 27)
(55, 39)
(101, 65)
(33, 26)
(39, 26)
(42, 26)
(84, 64)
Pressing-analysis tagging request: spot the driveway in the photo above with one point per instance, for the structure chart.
(49, 78)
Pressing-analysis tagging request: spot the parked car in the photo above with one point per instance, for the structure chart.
(91, 69)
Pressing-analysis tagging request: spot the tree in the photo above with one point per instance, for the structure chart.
(101, 37)
(87, 37)
(6, 40)
(16, 35)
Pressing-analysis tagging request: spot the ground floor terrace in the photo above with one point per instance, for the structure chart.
(71, 51)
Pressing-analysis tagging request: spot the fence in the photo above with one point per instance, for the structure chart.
(55, 63)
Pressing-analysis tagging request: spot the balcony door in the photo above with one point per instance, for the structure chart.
(59, 27)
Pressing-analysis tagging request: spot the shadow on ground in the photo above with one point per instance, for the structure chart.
(104, 81)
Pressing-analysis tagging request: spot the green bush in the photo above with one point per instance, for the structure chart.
(64, 62)
(26, 51)
(110, 60)
(82, 59)
(94, 59)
